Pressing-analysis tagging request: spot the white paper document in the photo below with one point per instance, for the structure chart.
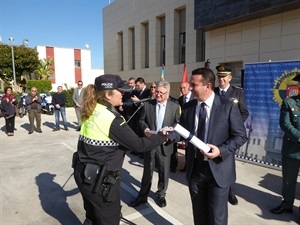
(155, 132)
(194, 140)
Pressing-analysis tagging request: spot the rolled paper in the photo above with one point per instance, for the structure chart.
(191, 138)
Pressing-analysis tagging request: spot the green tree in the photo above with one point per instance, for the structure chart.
(44, 70)
(26, 61)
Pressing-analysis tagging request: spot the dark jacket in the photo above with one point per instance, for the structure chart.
(290, 124)
(236, 95)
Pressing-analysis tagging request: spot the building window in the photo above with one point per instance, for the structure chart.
(258, 141)
(200, 46)
(120, 50)
(131, 48)
(162, 41)
(182, 47)
(77, 63)
(254, 140)
(179, 35)
(145, 44)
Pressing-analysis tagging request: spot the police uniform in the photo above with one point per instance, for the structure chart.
(234, 93)
(290, 124)
(103, 138)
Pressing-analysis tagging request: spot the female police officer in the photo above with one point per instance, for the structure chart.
(100, 153)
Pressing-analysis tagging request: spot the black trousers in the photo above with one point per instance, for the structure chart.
(98, 212)
(209, 201)
(10, 124)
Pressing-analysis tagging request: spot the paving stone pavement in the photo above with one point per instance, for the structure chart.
(37, 187)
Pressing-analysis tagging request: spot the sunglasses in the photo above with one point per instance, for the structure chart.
(152, 87)
(79, 84)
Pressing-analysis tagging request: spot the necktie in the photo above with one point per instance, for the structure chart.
(201, 122)
(222, 93)
(184, 100)
(201, 129)
(160, 116)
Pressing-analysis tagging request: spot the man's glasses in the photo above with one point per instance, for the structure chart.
(152, 87)
(33, 90)
(160, 93)
(79, 84)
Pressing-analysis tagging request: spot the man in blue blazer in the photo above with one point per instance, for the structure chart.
(156, 114)
(210, 175)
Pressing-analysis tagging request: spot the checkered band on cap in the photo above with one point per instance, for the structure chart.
(97, 142)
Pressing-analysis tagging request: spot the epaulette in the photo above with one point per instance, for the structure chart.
(237, 87)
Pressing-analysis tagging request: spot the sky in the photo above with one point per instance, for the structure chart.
(58, 23)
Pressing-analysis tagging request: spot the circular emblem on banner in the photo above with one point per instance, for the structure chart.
(284, 86)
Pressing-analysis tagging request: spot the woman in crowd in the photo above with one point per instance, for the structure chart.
(104, 136)
(152, 90)
(8, 108)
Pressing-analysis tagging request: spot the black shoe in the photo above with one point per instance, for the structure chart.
(183, 169)
(137, 202)
(39, 131)
(173, 170)
(232, 199)
(78, 129)
(66, 129)
(56, 129)
(161, 202)
(135, 153)
(30, 132)
(280, 209)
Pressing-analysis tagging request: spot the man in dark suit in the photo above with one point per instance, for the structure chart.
(235, 94)
(217, 122)
(156, 114)
(184, 98)
(290, 124)
(186, 94)
(78, 98)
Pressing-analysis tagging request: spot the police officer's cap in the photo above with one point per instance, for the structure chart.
(297, 77)
(223, 71)
(110, 82)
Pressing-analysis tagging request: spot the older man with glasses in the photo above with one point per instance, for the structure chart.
(34, 108)
(156, 114)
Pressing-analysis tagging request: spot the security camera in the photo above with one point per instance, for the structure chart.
(11, 39)
(87, 46)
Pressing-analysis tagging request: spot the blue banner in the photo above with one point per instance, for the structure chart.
(265, 86)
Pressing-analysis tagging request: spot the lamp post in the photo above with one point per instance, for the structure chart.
(11, 39)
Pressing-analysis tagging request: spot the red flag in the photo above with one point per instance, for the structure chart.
(184, 75)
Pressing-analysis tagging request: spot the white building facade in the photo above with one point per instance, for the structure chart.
(70, 66)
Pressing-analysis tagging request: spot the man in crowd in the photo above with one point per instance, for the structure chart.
(78, 98)
(184, 98)
(59, 102)
(217, 122)
(33, 103)
(290, 124)
(140, 92)
(235, 94)
(156, 114)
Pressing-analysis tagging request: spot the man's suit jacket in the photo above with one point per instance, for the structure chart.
(236, 94)
(171, 118)
(290, 124)
(78, 98)
(180, 100)
(226, 130)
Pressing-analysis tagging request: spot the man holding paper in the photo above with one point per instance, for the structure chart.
(156, 114)
(211, 170)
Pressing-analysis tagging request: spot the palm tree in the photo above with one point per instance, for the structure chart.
(44, 70)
